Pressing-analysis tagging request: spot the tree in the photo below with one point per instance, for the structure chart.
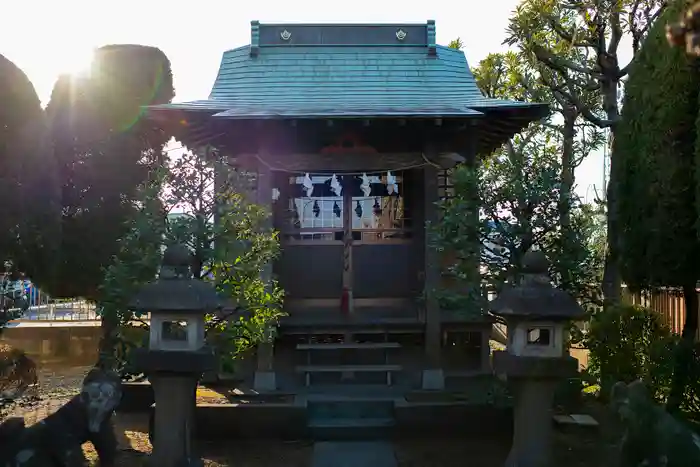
(29, 220)
(231, 243)
(230, 247)
(517, 190)
(105, 150)
(456, 44)
(548, 31)
(135, 264)
(656, 150)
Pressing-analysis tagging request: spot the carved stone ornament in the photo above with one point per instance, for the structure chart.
(401, 34)
(652, 436)
(285, 35)
(57, 440)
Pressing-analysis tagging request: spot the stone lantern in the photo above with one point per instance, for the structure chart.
(536, 359)
(176, 355)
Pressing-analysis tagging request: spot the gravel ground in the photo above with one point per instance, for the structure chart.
(54, 384)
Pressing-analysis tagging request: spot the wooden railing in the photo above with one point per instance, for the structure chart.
(667, 301)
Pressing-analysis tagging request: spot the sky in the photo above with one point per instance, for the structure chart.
(47, 37)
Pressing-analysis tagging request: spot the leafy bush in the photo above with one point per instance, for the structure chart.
(629, 342)
(237, 265)
(230, 254)
(691, 400)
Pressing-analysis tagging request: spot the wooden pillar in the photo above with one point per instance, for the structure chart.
(346, 302)
(221, 176)
(265, 378)
(485, 350)
(433, 376)
(470, 155)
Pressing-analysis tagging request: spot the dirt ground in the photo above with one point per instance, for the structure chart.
(582, 448)
(571, 449)
(58, 385)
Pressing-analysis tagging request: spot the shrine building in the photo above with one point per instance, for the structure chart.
(351, 130)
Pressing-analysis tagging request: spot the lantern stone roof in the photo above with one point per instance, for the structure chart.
(317, 71)
(535, 298)
(175, 290)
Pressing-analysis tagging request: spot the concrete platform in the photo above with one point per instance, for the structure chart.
(353, 454)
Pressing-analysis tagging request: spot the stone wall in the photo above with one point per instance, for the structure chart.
(69, 345)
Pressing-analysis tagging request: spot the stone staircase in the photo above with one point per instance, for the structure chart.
(350, 419)
(349, 405)
(347, 359)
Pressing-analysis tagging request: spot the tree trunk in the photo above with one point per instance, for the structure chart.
(612, 282)
(684, 351)
(106, 358)
(567, 171)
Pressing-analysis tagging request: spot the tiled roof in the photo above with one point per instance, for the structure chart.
(353, 71)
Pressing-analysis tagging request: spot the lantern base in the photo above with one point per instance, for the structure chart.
(176, 362)
(532, 422)
(513, 366)
(533, 381)
(173, 419)
(433, 379)
(265, 381)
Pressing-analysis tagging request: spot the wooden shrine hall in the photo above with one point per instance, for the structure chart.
(351, 129)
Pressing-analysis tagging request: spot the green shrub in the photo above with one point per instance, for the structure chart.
(628, 342)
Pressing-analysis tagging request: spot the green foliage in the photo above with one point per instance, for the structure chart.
(578, 253)
(627, 343)
(243, 253)
(518, 199)
(654, 152)
(29, 223)
(135, 264)
(514, 201)
(457, 236)
(105, 150)
(456, 44)
(576, 46)
(232, 246)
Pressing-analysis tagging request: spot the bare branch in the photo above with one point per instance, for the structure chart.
(567, 35)
(615, 33)
(561, 64)
(584, 109)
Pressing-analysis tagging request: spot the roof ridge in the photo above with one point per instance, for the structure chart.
(342, 35)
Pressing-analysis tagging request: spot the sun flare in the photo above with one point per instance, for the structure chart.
(77, 61)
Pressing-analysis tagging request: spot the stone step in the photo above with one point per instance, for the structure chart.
(321, 330)
(353, 454)
(348, 369)
(350, 345)
(350, 409)
(351, 429)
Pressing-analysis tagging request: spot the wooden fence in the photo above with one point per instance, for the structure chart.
(666, 301)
